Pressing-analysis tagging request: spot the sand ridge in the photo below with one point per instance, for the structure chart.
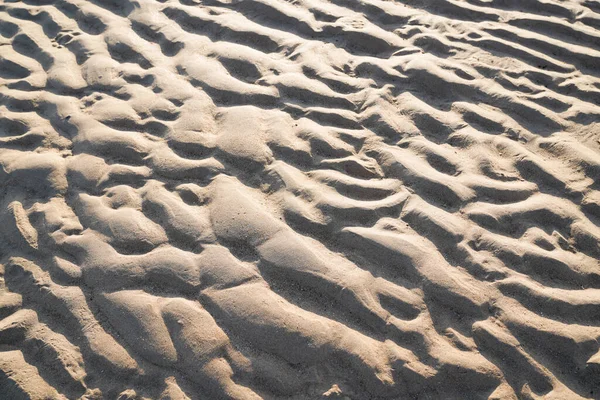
(301, 199)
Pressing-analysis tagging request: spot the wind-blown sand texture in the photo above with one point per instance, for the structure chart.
(354, 199)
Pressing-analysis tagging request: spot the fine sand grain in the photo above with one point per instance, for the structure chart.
(299, 199)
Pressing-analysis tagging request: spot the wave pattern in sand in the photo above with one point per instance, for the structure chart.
(293, 199)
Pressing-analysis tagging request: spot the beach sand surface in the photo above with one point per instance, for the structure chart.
(299, 199)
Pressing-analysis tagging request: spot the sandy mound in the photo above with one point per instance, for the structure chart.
(299, 199)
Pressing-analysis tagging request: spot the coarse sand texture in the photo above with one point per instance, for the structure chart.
(299, 199)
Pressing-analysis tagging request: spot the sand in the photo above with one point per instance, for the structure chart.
(300, 199)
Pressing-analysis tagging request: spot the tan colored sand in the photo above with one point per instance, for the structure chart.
(269, 199)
